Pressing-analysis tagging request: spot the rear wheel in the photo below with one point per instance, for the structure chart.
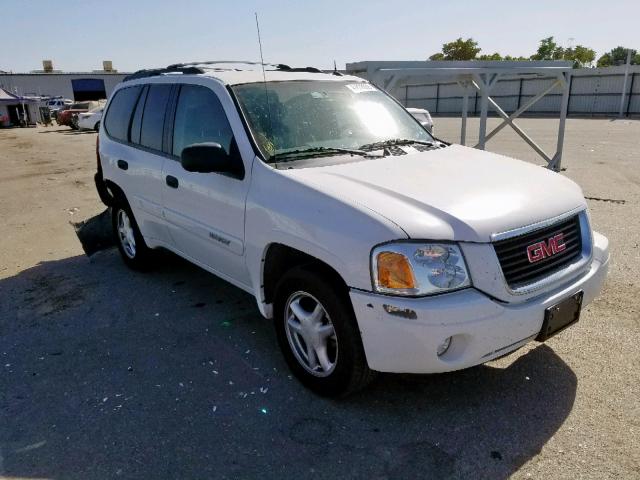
(318, 334)
(133, 249)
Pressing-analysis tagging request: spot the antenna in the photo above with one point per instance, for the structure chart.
(264, 80)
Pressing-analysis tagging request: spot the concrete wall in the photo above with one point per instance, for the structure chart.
(594, 92)
(54, 84)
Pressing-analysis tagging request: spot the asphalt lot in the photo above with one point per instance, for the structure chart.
(105, 373)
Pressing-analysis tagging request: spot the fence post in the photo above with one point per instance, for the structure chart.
(569, 100)
(633, 77)
(519, 94)
(624, 84)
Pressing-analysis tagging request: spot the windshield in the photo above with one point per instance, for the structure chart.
(302, 115)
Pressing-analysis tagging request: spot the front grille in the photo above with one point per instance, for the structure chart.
(514, 259)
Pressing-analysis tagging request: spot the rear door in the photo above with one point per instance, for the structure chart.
(135, 122)
(205, 211)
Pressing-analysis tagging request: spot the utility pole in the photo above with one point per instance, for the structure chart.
(624, 84)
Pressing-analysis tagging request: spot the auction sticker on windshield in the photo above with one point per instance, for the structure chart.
(361, 87)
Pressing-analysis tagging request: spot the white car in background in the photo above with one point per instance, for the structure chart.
(57, 104)
(423, 116)
(90, 120)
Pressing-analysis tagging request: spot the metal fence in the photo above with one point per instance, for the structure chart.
(593, 92)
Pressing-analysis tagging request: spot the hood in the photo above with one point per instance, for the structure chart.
(454, 193)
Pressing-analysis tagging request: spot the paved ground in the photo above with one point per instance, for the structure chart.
(106, 373)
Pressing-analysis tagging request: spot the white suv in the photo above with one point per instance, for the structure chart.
(372, 245)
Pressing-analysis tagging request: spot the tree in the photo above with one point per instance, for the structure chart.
(458, 50)
(618, 56)
(580, 55)
(493, 56)
(548, 50)
(509, 58)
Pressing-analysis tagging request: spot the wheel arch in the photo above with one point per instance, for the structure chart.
(279, 258)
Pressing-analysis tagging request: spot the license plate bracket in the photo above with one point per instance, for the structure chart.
(560, 316)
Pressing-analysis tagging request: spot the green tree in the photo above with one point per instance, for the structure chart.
(509, 58)
(618, 56)
(548, 50)
(492, 56)
(580, 56)
(458, 50)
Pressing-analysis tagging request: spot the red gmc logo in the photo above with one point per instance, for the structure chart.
(540, 250)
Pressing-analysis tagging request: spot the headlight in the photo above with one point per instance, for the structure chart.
(413, 269)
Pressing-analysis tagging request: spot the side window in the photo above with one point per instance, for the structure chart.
(136, 122)
(153, 116)
(118, 116)
(200, 118)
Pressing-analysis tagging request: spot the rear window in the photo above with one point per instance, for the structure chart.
(153, 116)
(119, 114)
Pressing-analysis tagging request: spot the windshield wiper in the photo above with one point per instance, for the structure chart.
(291, 154)
(394, 142)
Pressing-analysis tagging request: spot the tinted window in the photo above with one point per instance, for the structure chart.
(136, 122)
(200, 118)
(153, 116)
(119, 114)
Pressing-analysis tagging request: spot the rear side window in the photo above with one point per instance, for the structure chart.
(118, 116)
(200, 118)
(136, 122)
(153, 116)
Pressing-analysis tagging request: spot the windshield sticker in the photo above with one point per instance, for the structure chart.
(361, 87)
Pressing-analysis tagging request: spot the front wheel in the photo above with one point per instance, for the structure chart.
(318, 334)
(131, 244)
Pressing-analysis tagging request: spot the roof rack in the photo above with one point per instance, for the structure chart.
(279, 66)
(194, 68)
(222, 62)
(153, 72)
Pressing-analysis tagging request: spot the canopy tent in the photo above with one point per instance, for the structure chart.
(16, 110)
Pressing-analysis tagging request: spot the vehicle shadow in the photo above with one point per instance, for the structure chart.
(173, 374)
(69, 131)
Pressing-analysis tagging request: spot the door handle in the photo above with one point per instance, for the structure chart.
(122, 165)
(172, 181)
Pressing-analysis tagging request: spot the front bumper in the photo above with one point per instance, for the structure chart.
(482, 328)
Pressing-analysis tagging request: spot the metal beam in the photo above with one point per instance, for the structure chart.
(523, 108)
(556, 163)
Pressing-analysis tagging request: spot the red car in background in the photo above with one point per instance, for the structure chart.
(69, 117)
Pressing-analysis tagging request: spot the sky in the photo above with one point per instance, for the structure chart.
(138, 34)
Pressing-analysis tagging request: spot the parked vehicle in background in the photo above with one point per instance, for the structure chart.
(371, 245)
(423, 116)
(66, 117)
(90, 120)
(57, 104)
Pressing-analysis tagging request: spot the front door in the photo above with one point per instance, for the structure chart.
(205, 211)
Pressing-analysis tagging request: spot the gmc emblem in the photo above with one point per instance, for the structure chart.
(540, 250)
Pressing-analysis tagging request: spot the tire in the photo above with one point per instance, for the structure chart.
(133, 249)
(96, 127)
(338, 367)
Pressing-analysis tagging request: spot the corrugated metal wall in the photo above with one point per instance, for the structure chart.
(593, 92)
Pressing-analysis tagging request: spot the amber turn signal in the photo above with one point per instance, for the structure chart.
(394, 271)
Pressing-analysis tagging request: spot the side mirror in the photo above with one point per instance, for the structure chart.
(206, 158)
